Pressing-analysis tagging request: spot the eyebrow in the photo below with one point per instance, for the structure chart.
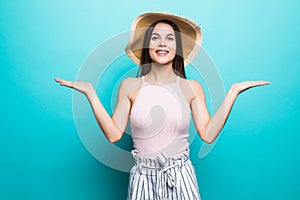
(170, 34)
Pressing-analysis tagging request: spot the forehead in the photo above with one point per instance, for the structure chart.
(163, 28)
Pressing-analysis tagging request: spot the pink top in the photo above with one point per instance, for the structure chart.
(159, 120)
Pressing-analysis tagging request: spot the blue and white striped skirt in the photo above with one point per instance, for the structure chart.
(163, 178)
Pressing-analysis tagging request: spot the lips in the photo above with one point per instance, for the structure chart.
(162, 52)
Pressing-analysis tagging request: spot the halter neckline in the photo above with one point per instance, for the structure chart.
(151, 83)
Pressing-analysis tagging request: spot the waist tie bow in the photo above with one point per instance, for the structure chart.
(165, 176)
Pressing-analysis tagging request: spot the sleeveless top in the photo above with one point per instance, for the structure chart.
(159, 120)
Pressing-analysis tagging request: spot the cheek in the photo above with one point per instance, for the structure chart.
(173, 49)
(153, 44)
(152, 53)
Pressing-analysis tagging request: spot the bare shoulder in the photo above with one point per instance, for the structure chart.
(130, 84)
(195, 84)
(197, 88)
(192, 88)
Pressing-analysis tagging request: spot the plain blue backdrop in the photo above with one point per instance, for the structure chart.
(41, 154)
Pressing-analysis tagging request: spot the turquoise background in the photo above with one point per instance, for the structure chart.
(42, 157)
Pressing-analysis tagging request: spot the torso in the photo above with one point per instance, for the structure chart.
(160, 116)
(183, 83)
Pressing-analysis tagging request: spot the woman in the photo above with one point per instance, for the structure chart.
(159, 104)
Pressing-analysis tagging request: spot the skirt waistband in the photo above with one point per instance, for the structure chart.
(163, 166)
(161, 160)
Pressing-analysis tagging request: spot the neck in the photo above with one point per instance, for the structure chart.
(161, 73)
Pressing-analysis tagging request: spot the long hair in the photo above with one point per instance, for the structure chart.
(177, 63)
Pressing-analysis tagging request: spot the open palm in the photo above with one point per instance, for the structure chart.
(242, 86)
(84, 87)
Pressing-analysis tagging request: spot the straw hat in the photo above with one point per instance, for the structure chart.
(191, 35)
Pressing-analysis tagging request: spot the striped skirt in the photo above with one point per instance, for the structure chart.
(163, 178)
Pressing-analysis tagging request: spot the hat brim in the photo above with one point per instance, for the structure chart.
(190, 32)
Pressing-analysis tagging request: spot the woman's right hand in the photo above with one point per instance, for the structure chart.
(84, 87)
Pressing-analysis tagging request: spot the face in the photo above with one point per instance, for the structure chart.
(162, 47)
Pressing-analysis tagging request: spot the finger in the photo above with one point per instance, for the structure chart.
(264, 82)
(257, 83)
(63, 83)
(58, 79)
(260, 83)
(67, 84)
(249, 84)
(267, 82)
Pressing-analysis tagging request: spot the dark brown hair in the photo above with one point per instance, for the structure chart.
(177, 63)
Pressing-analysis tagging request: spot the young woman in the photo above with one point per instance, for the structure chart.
(159, 103)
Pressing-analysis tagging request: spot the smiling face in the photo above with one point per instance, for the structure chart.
(162, 46)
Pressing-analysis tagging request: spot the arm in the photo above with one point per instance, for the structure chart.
(109, 126)
(112, 127)
(209, 128)
(212, 129)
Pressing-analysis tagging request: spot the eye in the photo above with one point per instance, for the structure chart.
(170, 38)
(154, 38)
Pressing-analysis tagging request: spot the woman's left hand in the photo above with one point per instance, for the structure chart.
(237, 88)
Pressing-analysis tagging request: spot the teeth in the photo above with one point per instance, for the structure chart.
(162, 51)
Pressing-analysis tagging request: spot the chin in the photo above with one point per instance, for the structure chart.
(162, 62)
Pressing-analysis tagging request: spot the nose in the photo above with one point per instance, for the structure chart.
(162, 43)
